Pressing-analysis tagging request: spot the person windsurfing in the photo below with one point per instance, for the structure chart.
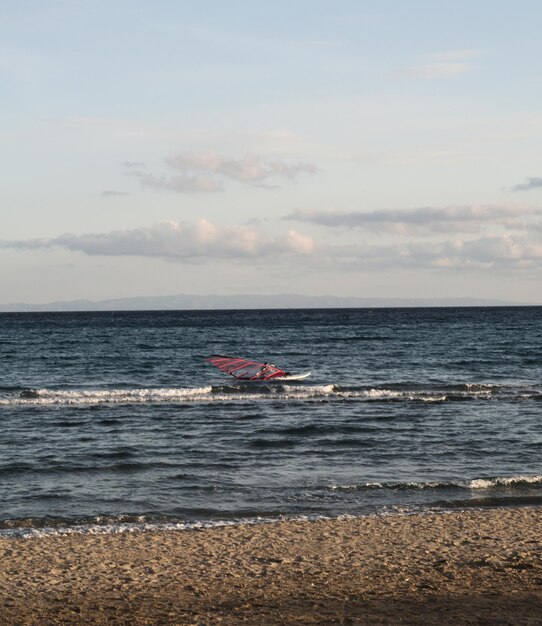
(247, 369)
(266, 367)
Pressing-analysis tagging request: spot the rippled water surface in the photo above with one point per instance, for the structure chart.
(111, 418)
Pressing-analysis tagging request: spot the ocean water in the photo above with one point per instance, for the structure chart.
(115, 421)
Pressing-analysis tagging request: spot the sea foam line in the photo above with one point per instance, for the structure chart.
(165, 395)
(241, 392)
(136, 527)
(110, 396)
(472, 484)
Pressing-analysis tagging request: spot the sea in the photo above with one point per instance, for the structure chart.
(115, 421)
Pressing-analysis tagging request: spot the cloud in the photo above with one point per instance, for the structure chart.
(509, 237)
(206, 241)
(424, 220)
(178, 184)
(528, 184)
(179, 241)
(498, 251)
(251, 168)
(502, 251)
(300, 244)
(190, 172)
(440, 66)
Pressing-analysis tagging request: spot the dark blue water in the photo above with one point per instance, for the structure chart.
(117, 417)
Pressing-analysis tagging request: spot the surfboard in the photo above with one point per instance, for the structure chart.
(301, 376)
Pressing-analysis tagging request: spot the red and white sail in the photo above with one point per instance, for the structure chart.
(245, 369)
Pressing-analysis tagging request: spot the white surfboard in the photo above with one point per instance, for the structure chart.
(291, 377)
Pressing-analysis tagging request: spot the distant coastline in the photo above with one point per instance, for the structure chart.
(186, 302)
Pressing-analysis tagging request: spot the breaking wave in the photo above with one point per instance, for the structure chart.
(479, 493)
(255, 392)
(498, 482)
(162, 395)
(112, 525)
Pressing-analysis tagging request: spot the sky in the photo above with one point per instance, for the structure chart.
(318, 147)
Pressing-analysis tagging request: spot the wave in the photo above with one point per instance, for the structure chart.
(115, 524)
(443, 496)
(112, 525)
(208, 393)
(489, 483)
(109, 396)
(395, 392)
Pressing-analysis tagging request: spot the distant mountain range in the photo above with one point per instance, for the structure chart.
(283, 301)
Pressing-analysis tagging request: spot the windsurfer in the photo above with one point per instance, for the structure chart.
(269, 368)
(244, 369)
(264, 369)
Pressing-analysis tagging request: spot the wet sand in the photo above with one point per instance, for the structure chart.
(476, 567)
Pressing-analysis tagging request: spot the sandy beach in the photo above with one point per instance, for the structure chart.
(477, 567)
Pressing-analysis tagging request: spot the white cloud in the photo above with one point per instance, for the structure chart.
(498, 251)
(509, 237)
(207, 241)
(502, 251)
(179, 183)
(483, 253)
(179, 240)
(302, 244)
(426, 220)
(207, 171)
(204, 240)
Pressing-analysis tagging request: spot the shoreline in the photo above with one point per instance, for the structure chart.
(459, 567)
(12, 529)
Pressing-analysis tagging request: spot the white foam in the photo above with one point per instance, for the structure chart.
(390, 394)
(475, 483)
(383, 394)
(236, 393)
(170, 395)
(136, 527)
(111, 396)
(489, 483)
(141, 525)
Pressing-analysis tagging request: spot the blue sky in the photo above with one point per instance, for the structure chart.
(372, 149)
